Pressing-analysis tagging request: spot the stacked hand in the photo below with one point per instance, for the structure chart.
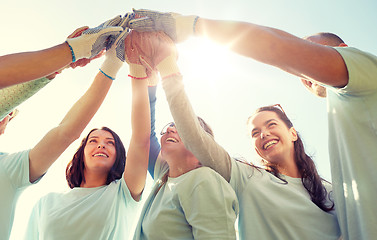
(148, 52)
(176, 26)
(90, 42)
(115, 56)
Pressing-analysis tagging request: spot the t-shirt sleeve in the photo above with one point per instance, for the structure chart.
(127, 194)
(241, 174)
(16, 167)
(210, 206)
(362, 71)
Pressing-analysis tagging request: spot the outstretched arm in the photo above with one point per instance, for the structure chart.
(268, 45)
(58, 139)
(22, 67)
(11, 97)
(155, 148)
(26, 66)
(195, 138)
(137, 157)
(278, 48)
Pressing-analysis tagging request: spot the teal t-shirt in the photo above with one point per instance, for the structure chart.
(271, 209)
(352, 120)
(199, 204)
(14, 177)
(100, 213)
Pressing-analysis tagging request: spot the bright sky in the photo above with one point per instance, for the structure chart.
(224, 88)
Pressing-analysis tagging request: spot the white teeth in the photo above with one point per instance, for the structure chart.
(269, 144)
(171, 140)
(100, 155)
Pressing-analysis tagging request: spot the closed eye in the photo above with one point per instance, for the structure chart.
(254, 133)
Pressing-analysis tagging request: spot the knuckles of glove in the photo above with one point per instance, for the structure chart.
(84, 61)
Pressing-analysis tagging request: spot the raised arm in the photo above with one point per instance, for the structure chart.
(138, 152)
(137, 157)
(198, 141)
(264, 44)
(22, 67)
(11, 97)
(26, 66)
(59, 138)
(155, 148)
(278, 48)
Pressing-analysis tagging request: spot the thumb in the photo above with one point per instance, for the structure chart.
(146, 63)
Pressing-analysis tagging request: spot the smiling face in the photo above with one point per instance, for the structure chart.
(272, 139)
(99, 151)
(170, 141)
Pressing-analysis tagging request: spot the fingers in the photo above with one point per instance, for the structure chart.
(78, 32)
(112, 22)
(125, 20)
(146, 12)
(144, 24)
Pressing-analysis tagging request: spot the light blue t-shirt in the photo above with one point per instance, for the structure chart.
(352, 120)
(14, 177)
(100, 213)
(271, 209)
(199, 204)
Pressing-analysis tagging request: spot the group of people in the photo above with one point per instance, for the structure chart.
(199, 189)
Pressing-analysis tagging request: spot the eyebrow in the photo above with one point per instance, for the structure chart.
(266, 122)
(98, 137)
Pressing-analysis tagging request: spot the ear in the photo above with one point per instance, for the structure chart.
(343, 45)
(293, 133)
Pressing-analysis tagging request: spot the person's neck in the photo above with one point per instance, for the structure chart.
(289, 167)
(93, 180)
(179, 165)
(290, 171)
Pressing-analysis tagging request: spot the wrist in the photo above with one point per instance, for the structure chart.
(168, 67)
(72, 53)
(111, 68)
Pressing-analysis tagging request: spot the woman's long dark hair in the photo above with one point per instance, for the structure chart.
(75, 168)
(305, 164)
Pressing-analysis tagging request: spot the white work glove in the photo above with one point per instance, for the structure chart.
(92, 41)
(115, 57)
(125, 20)
(176, 26)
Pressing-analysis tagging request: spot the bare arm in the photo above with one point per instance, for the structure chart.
(136, 168)
(22, 67)
(55, 142)
(278, 48)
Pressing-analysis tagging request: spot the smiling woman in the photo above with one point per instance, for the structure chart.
(98, 161)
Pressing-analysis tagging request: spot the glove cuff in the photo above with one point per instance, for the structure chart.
(137, 71)
(111, 68)
(186, 27)
(78, 50)
(168, 67)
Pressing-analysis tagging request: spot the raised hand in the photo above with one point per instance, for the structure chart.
(115, 56)
(146, 51)
(92, 41)
(176, 26)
